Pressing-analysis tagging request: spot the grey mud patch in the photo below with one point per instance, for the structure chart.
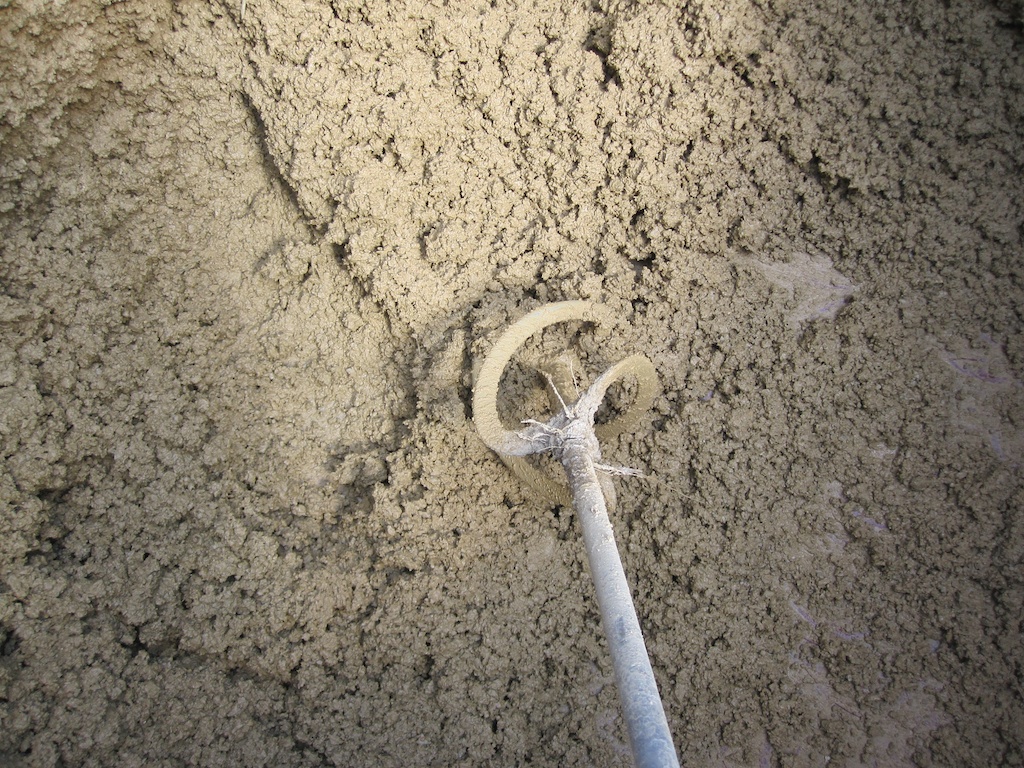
(248, 266)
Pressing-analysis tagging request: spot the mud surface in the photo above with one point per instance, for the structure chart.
(249, 263)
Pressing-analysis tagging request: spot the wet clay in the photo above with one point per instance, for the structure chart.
(251, 265)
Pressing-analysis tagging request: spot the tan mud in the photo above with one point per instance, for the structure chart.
(248, 264)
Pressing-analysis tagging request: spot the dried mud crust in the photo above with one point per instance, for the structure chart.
(247, 267)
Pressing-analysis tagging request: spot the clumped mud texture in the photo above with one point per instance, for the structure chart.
(247, 267)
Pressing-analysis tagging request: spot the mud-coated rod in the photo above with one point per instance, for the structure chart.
(649, 736)
(570, 435)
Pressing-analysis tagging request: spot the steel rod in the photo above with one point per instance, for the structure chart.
(649, 735)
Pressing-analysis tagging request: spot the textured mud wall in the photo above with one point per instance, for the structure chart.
(247, 266)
